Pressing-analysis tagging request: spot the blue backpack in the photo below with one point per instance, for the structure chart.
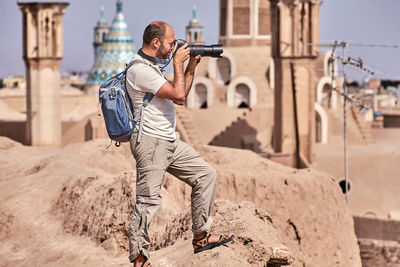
(117, 108)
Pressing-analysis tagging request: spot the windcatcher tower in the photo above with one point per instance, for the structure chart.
(244, 22)
(42, 53)
(242, 74)
(295, 25)
(194, 31)
(117, 50)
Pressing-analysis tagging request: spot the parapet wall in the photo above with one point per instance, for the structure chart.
(391, 120)
(379, 241)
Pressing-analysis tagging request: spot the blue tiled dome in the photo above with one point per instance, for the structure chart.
(117, 50)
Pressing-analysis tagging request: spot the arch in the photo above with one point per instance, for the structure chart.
(328, 65)
(370, 214)
(193, 98)
(326, 91)
(318, 128)
(322, 124)
(237, 88)
(223, 71)
(242, 96)
(326, 80)
(200, 95)
(214, 71)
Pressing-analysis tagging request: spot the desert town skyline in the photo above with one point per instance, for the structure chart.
(280, 105)
(353, 25)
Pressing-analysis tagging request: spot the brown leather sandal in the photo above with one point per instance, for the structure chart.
(203, 243)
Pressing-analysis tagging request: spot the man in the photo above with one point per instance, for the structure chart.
(159, 150)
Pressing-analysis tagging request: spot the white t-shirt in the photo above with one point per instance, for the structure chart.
(159, 115)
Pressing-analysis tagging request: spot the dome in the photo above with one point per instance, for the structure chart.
(116, 51)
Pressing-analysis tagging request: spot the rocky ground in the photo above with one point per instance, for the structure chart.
(71, 207)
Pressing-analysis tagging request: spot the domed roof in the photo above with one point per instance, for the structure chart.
(117, 50)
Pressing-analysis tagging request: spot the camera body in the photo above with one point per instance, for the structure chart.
(214, 50)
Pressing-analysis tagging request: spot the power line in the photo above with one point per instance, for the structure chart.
(358, 64)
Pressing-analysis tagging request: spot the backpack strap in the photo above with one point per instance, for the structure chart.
(131, 63)
(147, 98)
(125, 78)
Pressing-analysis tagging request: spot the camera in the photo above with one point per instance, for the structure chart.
(214, 50)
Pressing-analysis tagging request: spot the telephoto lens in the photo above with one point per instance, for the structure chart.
(214, 50)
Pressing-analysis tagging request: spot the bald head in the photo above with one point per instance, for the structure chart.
(156, 29)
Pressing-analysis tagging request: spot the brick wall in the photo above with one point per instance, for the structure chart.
(264, 24)
(241, 17)
(379, 241)
(391, 120)
(372, 228)
(222, 18)
(379, 253)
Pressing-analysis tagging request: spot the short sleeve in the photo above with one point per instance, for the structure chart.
(146, 78)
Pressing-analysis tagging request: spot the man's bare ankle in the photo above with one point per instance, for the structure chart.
(139, 260)
(199, 235)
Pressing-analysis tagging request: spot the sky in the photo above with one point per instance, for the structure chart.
(355, 21)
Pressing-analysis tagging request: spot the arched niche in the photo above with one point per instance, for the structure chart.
(223, 69)
(241, 97)
(321, 124)
(242, 91)
(329, 63)
(324, 95)
(200, 92)
(201, 95)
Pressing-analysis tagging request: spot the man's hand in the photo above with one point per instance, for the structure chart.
(193, 62)
(182, 54)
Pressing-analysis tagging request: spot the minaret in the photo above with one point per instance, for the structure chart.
(295, 25)
(100, 33)
(116, 51)
(194, 31)
(42, 53)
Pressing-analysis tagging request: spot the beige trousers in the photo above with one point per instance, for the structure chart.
(153, 158)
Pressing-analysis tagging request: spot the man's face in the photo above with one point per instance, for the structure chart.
(167, 43)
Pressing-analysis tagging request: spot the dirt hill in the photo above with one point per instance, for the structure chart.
(71, 207)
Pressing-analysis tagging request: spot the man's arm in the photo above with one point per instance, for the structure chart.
(177, 91)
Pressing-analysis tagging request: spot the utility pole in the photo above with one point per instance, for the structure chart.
(357, 63)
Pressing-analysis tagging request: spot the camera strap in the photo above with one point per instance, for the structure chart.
(161, 62)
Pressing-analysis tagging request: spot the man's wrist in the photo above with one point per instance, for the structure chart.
(192, 64)
(190, 69)
(177, 64)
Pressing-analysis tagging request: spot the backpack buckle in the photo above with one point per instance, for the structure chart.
(113, 93)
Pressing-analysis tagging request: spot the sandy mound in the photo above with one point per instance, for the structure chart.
(257, 241)
(71, 207)
(307, 207)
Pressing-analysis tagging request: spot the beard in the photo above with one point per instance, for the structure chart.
(163, 52)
